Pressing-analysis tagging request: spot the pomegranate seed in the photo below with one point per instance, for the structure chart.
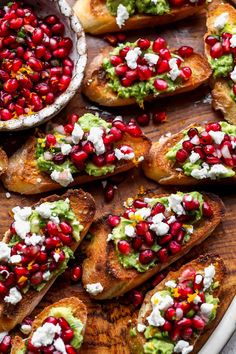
(170, 313)
(213, 126)
(186, 333)
(58, 28)
(136, 298)
(216, 50)
(142, 228)
(76, 273)
(134, 130)
(42, 257)
(70, 349)
(113, 220)
(121, 69)
(131, 75)
(185, 51)
(160, 85)
(119, 125)
(65, 227)
(174, 247)
(5, 344)
(137, 242)
(187, 145)
(50, 140)
(144, 43)
(16, 23)
(211, 40)
(167, 327)
(212, 160)
(52, 228)
(117, 134)
(198, 323)
(88, 147)
(3, 289)
(124, 247)
(116, 60)
(5, 114)
(51, 320)
(66, 239)
(207, 210)
(175, 228)
(164, 239)
(79, 158)
(144, 72)
(158, 44)
(149, 238)
(99, 160)
(109, 192)
(138, 203)
(185, 322)
(123, 52)
(192, 132)
(11, 86)
(143, 119)
(146, 256)
(36, 278)
(190, 203)
(185, 73)
(67, 335)
(182, 155)
(162, 255)
(159, 117)
(158, 208)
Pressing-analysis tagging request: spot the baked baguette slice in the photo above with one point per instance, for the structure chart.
(83, 206)
(77, 308)
(221, 90)
(198, 264)
(3, 161)
(96, 18)
(160, 169)
(23, 175)
(103, 266)
(95, 84)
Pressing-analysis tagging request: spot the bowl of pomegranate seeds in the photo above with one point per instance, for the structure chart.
(42, 60)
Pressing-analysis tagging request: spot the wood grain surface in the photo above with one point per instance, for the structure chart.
(109, 322)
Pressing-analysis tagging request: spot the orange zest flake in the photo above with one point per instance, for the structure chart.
(57, 250)
(191, 297)
(175, 292)
(22, 279)
(30, 265)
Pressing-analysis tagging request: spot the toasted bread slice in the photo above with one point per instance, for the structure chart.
(96, 18)
(78, 309)
(159, 168)
(83, 206)
(95, 84)
(102, 264)
(3, 161)
(221, 90)
(198, 264)
(23, 175)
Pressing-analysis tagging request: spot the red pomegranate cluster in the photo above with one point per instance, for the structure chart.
(144, 70)
(34, 60)
(5, 344)
(219, 46)
(169, 244)
(210, 152)
(84, 151)
(67, 335)
(35, 260)
(183, 320)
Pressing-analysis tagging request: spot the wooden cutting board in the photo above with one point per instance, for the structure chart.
(109, 321)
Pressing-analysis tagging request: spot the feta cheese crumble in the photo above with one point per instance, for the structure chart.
(44, 335)
(218, 137)
(94, 289)
(233, 74)
(5, 251)
(194, 157)
(14, 296)
(175, 203)
(95, 136)
(183, 347)
(77, 133)
(233, 41)
(152, 59)
(132, 56)
(122, 15)
(174, 69)
(171, 284)
(209, 273)
(129, 231)
(64, 178)
(221, 21)
(206, 310)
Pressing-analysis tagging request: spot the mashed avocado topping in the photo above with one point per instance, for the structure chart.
(206, 153)
(86, 145)
(169, 310)
(143, 72)
(159, 7)
(142, 234)
(222, 66)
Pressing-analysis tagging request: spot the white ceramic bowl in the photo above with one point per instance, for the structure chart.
(74, 30)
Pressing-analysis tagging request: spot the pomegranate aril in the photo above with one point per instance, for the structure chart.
(138, 203)
(170, 313)
(162, 255)
(198, 323)
(5, 344)
(137, 242)
(142, 228)
(182, 155)
(143, 119)
(211, 40)
(76, 273)
(99, 160)
(158, 44)
(165, 54)
(116, 60)
(158, 208)
(212, 160)
(113, 220)
(186, 333)
(124, 247)
(216, 51)
(146, 256)
(175, 228)
(134, 130)
(213, 126)
(144, 72)
(167, 327)
(67, 335)
(185, 51)
(66, 239)
(51, 319)
(50, 140)
(164, 239)
(209, 149)
(70, 349)
(160, 84)
(174, 247)
(36, 278)
(109, 192)
(65, 227)
(185, 73)
(185, 322)
(149, 239)
(159, 117)
(207, 210)
(3, 289)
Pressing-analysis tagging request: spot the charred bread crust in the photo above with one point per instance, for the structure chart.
(199, 264)
(83, 206)
(102, 264)
(160, 169)
(3, 161)
(79, 311)
(221, 90)
(95, 85)
(96, 18)
(23, 175)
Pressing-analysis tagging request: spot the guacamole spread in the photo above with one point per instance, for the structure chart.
(139, 7)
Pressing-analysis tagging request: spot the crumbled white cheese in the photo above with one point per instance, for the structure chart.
(160, 228)
(8, 195)
(155, 318)
(171, 284)
(218, 137)
(55, 220)
(122, 15)
(66, 149)
(197, 299)
(77, 133)
(2, 336)
(94, 289)
(206, 310)
(233, 41)
(46, 275)
(44, 210)
(122, 155)
(152, 59)
(95, 136)
(5, 251)
(26, 328)
(22, 228)
(158, 218)
(34, 240)
(179, 314)
(200, 173)
(195, 140)
(14, 296)
(44, 335)
(129, 231)
(141, 327)
(194, 157)
(221, 21)
(209, 273)
(183, 347)
(198, 279)
(233, 74)
(175, 203)
(171, 220)
(143, 213)
(60, 346)
(110, 237)
(163, 302)
(15, 259)
(64, 178)
(56, 257)
(217, 170)
(132, 57)
(21, 215)
(174, 72)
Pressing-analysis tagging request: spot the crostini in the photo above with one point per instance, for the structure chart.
(220, 48)
(3, 161)
(142, 71)
(151, 233)
(180, 309)
(85, 149)
(37, 248)
(198, 154)
(101, 16)
(59, 328)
